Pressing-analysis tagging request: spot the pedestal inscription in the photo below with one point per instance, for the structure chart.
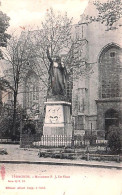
(57, 119)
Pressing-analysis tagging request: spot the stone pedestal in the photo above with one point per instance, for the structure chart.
(57, 119)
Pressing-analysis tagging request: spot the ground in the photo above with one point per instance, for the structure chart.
(55, 179)
(17, 154)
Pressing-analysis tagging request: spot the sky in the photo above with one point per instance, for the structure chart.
(32, 12)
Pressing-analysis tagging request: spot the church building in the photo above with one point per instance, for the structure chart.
(97, 92)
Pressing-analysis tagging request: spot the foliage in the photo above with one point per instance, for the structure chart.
(109, 13)
(29, 128)
(100, 134)
(6, 120)
(29, 51)
(55, 34)
(17, 55)
(114, 138)
(4, 84)
(91, 138)
(4, 24)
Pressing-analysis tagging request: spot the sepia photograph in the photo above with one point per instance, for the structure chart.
(61, 97)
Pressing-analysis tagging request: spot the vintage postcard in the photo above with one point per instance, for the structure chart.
(60, 97)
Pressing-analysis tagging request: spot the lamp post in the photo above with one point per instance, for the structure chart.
(91, 128)
(73, 123)
(21, 126)
(21, 129)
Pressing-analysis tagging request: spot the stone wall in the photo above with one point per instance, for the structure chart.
(0, 101)
(98, 38)
(102, 107)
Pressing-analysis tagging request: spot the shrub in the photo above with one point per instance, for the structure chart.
(78, 137)
(92, 138)
(101, 134)
(114, 139)
(29, 128)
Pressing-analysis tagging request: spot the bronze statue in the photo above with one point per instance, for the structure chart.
(57, 77)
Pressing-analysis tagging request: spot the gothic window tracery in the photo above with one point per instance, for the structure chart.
(32, 90)
(110, 71)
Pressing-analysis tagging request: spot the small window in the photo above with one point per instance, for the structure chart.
(112, 54)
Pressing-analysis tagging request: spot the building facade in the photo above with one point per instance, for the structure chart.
(97, 94)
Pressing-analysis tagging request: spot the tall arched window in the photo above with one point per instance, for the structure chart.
(32, 90)
(110, 72)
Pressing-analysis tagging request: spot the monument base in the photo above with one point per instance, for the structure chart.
(57, 119)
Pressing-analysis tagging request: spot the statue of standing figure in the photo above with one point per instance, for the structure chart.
(57, 77)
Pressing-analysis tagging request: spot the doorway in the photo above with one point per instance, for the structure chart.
(111, 118)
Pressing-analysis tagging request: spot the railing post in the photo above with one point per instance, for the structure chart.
(118, 158)
(88, 156)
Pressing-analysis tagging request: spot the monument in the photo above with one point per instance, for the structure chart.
(58, 110)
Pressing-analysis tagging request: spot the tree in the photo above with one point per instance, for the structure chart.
(6, 120)
(29, 128)
(54, 34)
(4, 24)
(31, 46)
(4, 85)
(17, 54)
(109, 13)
